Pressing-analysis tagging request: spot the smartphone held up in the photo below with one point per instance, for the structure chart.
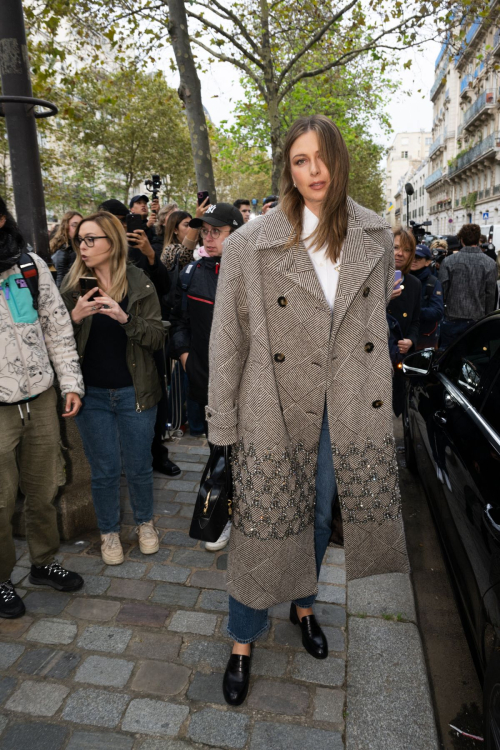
(86, 283)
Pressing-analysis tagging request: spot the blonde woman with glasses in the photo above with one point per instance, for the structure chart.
(117, 328)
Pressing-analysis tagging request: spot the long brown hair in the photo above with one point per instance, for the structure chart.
(407, 243)
(61, 236)
(171, 225)
(332, 226)
(114, 231)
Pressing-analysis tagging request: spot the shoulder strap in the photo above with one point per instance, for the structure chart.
(29, 272)
(187, 280)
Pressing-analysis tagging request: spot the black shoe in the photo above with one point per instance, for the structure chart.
(236, 679)
(11, 604)
(56, 576)
(313, 638)
(162, 463)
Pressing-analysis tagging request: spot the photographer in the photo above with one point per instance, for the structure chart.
(432, 303)
(488, 248)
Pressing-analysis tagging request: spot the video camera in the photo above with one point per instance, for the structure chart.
(417, 229)
(153, 186)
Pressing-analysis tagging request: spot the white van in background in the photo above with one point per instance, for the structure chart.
(492, 234)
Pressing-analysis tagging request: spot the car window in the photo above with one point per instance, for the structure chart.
(470, 363)
(491, 407)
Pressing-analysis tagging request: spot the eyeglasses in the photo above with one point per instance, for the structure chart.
(213, 232)
(89, 241)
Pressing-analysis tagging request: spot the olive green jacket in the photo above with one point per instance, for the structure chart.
(144, 331)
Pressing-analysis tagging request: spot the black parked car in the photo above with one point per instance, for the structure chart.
(452, 438)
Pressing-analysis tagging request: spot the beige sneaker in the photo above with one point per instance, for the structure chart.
(111, 549)
(148, 538)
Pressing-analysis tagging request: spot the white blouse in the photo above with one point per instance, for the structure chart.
(326, 271)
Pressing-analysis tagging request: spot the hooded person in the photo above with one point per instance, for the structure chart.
(36, 339)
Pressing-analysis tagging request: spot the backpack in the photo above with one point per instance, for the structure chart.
(29, 272)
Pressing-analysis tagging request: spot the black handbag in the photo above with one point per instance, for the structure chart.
(213, 507)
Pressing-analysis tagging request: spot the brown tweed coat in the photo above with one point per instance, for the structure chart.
(276, 355)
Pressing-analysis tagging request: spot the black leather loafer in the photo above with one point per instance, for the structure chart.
(162, 463)
(313, 638)
(236, 679)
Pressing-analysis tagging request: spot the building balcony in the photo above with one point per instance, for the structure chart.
(466, 85)
(466, 50)
(484, 102)
(434, 177)
(439, 79)
(437, 145)
(482, 149)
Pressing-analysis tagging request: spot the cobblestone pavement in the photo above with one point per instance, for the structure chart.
(135, 659)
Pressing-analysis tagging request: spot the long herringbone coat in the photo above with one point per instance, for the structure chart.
(276, 355)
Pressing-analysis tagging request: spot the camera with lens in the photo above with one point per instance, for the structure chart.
(153, 186)
(418, 229)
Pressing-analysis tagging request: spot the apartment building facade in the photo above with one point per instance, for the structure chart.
(405, 156)
(463, 179)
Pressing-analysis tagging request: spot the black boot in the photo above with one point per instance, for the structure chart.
(313, 638)
(56, 576)
(11, 604)
(161, 462)
(236, 679)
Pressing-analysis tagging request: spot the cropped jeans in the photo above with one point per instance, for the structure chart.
(112, 433)
(247, 624)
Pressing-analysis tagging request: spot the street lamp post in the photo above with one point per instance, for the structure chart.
(409, 191)
(18, 107)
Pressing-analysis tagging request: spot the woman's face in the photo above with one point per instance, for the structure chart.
(74, 221)
(98, 255)
(182, 228)
(401, 256)
(309, 172)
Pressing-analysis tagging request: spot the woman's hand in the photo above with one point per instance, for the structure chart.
(85, 306)
(112, 309)
(398, 289)
(405, 345)
(200, 210)
(140, 240)
(72, 406)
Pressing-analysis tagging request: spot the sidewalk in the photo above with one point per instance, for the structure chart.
(135, 660)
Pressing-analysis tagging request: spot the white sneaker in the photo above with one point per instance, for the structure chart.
(111, 549)
(149, 542)
(221, 541)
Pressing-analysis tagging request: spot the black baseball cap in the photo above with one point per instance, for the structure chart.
(219, 215)
(422, 251)
(115, 207)
(270, 199)
(138, 198)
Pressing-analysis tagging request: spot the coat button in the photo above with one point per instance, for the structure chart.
(377, 404)
(282, 301)
(369, 347)
(366, 291)
(405, 315)
(279, 357)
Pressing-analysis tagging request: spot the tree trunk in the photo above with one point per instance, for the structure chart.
(276, 143)
(190, 94)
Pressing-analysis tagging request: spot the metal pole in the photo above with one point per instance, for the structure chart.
(21, 129)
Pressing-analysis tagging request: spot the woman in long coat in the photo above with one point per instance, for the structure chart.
(300, 374)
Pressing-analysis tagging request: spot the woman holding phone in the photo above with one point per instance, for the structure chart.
(300, 387)
(117, 328)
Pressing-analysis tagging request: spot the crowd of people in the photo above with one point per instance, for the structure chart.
(275, 330)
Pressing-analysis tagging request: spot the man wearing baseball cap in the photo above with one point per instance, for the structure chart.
(432, 304)
(194, 307)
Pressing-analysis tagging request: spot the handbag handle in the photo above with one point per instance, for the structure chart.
(213, 460)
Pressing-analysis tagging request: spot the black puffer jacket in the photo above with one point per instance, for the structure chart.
(63, 259)
(192, 321)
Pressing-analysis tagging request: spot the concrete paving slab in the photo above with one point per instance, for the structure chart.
(388, 698)
(387, 594)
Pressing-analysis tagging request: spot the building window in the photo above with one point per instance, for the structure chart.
(428, 141)
(404, 154)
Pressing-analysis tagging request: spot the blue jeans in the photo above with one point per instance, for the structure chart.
(451, 330)
(246, 624)
(111, 430)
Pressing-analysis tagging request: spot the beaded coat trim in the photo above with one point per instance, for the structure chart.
(274, 494)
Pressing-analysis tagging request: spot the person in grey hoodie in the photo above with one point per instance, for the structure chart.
(36, 338)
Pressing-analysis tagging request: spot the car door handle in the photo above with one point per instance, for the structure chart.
(440, 418)
(492, 523)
